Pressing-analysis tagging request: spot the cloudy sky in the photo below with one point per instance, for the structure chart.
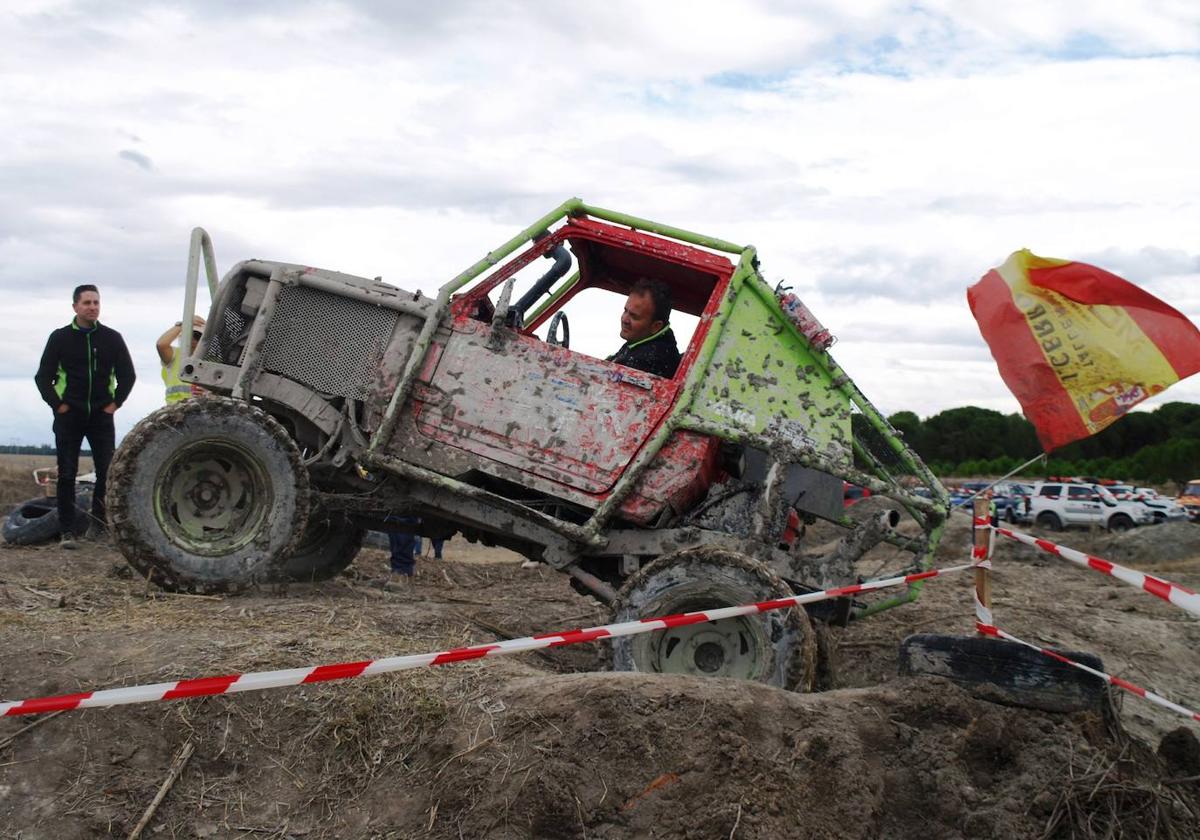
(881, 155)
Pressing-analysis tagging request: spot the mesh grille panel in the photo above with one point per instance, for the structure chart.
(223, 342)
(328, 342)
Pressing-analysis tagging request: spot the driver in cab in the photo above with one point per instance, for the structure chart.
(649, 343)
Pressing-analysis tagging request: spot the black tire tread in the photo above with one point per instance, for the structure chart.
(122, 473)
(800, 670)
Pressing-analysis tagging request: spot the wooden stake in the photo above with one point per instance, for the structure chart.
(172, 775)
(983, 580)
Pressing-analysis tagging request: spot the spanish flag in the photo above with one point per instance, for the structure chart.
(1078, 346)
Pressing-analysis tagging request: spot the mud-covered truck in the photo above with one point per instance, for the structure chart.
(338, 404)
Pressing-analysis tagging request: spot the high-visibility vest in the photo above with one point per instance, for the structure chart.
(177, 389)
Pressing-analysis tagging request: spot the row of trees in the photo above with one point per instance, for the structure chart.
(1146, 446)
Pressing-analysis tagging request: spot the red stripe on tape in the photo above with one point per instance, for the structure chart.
(1046, 545)
(679, 620)
(1157, 587)
(780, 603)
(201, 687)
(1100, 565)
(572, 636)
(987, 629)
(842, 591)
(61, 703)
(463, 654)
(922, 575)
(340, 671)
(1128, 686)
(1057, 656)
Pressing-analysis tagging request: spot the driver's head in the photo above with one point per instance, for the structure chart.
(647, 310)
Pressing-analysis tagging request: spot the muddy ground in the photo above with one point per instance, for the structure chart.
(548, 745)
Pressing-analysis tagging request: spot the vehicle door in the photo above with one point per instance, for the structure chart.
(503, 394)
(1083, 506)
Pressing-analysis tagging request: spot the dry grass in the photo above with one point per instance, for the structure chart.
(16, 477)
(1099, 799)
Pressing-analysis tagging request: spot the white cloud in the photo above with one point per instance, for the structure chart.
(881, 156)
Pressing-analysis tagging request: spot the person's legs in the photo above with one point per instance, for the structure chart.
(437, 548)
(101, 437)
(403, 562)
(68, 437)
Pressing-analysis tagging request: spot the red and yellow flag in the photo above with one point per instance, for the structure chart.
(1078, 346)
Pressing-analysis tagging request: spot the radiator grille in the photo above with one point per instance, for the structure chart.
(331, 343)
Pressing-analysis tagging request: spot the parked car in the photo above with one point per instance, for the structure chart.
(1190, 499)
(1161, 509)
(1164, 509)
(1057, 505)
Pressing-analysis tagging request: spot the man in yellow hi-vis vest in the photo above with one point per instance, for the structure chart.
(177, 389)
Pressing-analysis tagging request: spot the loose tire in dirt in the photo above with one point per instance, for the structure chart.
(1007, 672)
(208, 495)
(329, 544)
(36, 520)
(777, 647)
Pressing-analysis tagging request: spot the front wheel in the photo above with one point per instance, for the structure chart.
(777, 647)
(207, 495)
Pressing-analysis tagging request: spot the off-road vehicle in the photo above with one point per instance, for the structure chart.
(339, 404)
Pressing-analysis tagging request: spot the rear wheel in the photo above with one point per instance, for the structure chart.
(1050, 521)
(1120, 523)
(207, 495)
(776, 647)
(329, 544)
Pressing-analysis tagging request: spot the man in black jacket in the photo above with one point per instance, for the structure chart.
(85, 375)
(649, 343)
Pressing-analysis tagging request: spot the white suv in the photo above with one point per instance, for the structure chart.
(1164, 509)
(1057, 505)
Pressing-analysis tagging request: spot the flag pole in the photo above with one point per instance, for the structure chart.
(974, 496)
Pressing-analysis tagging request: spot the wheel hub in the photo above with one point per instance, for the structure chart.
(729, 648)
(212, 497)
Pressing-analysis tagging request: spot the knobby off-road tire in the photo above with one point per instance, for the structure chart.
(36, 520)
(208, 495)
(777, 647)
(1007, 672)
(329, 544)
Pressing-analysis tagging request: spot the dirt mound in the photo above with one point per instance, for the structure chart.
(550, 745)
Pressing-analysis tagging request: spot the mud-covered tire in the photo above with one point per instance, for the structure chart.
(1007, 672)
(207, 495)
(36, 520)
(329, 544)
(777, 647)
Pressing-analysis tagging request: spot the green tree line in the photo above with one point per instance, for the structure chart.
(1156, 446)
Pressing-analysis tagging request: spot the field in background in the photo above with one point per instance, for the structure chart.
(16, 477)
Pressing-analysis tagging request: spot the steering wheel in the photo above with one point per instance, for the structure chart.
(560, 317)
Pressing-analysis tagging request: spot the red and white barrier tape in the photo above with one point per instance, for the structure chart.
(992, 630)
(1173, 593)
(208, 686)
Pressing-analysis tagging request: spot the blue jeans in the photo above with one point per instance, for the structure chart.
(405, 548)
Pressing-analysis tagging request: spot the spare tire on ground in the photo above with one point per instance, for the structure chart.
(36, 520)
